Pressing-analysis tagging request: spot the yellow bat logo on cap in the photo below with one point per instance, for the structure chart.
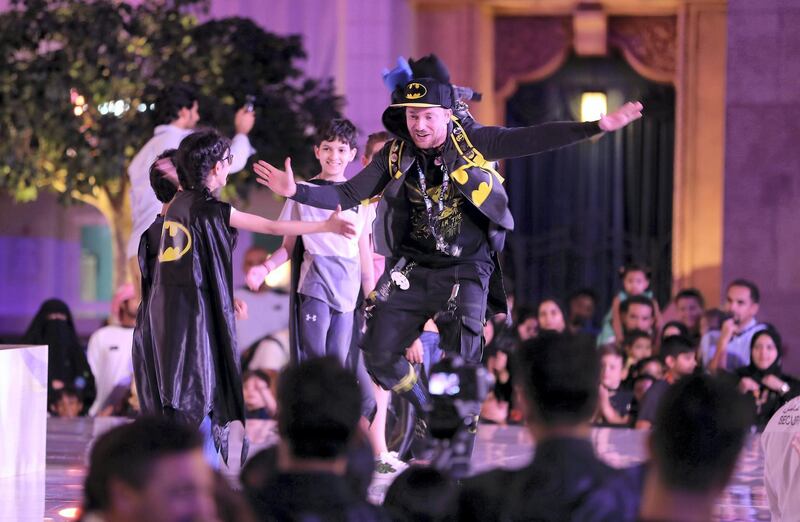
(182, 243)
(415, 91)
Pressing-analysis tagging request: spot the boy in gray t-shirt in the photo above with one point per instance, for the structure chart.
(333, 267)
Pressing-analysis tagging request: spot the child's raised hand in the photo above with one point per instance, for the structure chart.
(279, 181)
(339, 225)
(255, 277)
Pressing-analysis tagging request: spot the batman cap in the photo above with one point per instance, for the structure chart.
(424, 92)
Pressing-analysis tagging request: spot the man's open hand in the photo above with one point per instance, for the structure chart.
(629, 112)
(279, 181)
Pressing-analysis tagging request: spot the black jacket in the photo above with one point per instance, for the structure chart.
(493, 144)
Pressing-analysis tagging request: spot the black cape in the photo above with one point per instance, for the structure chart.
(184, 353)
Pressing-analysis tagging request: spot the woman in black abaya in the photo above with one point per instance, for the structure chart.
(67, 367)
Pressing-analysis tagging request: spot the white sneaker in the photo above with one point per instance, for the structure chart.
(388, 462)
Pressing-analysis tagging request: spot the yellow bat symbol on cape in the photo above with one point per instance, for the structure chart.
(415, 91)
(180, 238)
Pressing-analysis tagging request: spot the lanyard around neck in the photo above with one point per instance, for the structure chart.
(434, 218)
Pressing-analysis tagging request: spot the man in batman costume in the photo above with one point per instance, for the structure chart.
(185, 348)
(442, 219)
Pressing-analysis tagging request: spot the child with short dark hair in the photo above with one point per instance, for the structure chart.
(614, 400)
(329, 269)
(636, 345)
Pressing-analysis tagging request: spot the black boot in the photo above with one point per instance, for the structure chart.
(422, 443)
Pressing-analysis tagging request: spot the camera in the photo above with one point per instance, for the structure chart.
(457, 391)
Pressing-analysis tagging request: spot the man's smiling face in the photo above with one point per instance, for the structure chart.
(428, 125)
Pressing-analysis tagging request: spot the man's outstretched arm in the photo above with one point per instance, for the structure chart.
(498, 143)
(369, 182)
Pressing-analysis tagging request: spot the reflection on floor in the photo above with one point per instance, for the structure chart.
(55, 495)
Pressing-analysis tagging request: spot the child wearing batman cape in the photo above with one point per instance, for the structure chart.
(185, 355)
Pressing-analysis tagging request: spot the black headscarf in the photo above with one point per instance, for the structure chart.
(753, 371)
(773, 400)
(66, 357)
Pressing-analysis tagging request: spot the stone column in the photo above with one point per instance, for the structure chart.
(462, 35)
(762, 160)
(699, 147)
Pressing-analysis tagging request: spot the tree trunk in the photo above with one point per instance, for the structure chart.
(113, 202)
(118, 214)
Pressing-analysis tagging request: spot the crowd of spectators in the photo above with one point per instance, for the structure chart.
(642, 350)
(557, 372)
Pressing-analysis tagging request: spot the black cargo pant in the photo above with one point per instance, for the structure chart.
(396, 322)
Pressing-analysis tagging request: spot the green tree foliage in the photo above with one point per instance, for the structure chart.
(79, 80)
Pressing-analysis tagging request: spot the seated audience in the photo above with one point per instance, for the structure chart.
(581, 308)
(269, 353)
(641, 377)
(712, 321)
(109, 355)
(421, 494)
(732, 348)
(689, 304)
(557, 376)
(614, 400)
(258, 398)
(66, 402)
(763, 380)
(678, 356)
(635, 283)
(650, 366)
(497, 405)
(320, 406)
(781, 444)
(673, 328)
(699, 432)
(641, 385)
(66, 360)
(550, 316)
(637, 345)
(525, 326)
(268, 309)
(151, 469)
(637, 313)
